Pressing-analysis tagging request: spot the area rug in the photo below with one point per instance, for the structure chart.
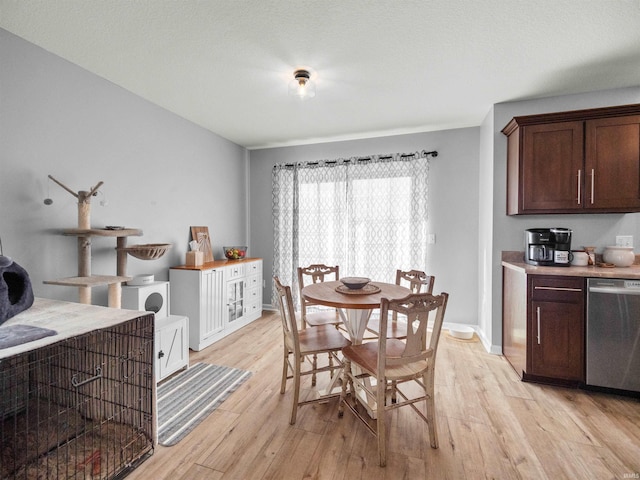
(187, 399)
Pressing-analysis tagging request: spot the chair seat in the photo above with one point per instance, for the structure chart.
(321, 339)
(325, 317)
(395, 329)
(366, 356)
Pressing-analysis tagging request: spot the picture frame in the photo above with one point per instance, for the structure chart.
(201, 235)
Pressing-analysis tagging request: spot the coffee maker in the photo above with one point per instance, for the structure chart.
(548, 246)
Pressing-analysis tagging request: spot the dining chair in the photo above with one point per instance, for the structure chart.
(313, 274)
(393, 361)
(416, 281)
(299, 344)
(319, 315)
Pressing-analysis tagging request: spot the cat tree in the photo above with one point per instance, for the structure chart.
(85, 281)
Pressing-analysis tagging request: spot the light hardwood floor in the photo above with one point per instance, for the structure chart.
(490, 425)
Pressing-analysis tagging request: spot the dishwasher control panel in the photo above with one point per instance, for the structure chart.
(632, 284)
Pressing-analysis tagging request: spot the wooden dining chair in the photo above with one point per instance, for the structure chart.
(416, 281)
(393, 361)
(299, 344)
(317, 316)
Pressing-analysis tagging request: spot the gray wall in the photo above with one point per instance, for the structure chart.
(507, 232)
(161, 173)
(453, 210)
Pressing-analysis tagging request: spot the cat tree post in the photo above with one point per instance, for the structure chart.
(84, 209)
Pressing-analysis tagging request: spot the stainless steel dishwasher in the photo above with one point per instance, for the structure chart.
(613, 333)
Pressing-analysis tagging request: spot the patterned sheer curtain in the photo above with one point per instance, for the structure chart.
(367, 215)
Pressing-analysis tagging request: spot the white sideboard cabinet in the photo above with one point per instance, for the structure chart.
(218, 297)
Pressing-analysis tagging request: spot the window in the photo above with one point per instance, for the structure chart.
(369, 216)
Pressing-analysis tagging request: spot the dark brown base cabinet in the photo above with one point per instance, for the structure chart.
(544, 326)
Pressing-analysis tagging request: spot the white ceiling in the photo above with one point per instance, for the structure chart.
(382, 67)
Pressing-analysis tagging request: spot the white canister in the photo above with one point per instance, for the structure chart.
(580, 258)
(619, 256)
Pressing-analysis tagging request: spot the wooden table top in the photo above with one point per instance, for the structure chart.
(324, 293)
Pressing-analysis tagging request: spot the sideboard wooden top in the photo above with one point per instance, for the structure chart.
(216, 264)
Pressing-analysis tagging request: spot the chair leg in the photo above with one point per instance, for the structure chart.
(314, 366)
(296, 389)
(431, 408)
(285, 371)
(381, 431)
(330, 365)
(346, 378)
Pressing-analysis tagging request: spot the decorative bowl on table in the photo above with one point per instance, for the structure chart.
(355, 283)
(235, 253)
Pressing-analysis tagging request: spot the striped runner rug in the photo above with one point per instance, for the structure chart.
(187, 399)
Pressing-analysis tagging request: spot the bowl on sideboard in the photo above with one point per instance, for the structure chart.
(235, 253)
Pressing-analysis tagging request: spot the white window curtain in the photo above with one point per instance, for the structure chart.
(367, 215)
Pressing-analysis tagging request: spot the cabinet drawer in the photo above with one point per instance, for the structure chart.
(556, 288)
(254, 268)
(235, 271)
(254, 281)
(254, 307)
(253, 294)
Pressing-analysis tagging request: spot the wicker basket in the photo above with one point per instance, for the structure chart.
(149, 251)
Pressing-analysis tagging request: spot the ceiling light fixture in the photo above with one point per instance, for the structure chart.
(302, 87)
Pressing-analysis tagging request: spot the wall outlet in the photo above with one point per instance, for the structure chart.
(624, 240)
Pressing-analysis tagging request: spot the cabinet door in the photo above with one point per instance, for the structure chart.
(612, 163)
(556, 328)
(172, 352)
(235, 299)
(211, 303)
(552, 168)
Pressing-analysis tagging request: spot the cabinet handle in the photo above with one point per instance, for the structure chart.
(593, 194)
(538, 318)
(559, 289)
(579, 185)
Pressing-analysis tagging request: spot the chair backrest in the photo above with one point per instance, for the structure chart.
(287, 315)
(315, 274)
(418, 281)
(417, 308)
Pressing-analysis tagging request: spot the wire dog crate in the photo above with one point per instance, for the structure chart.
(81, 408)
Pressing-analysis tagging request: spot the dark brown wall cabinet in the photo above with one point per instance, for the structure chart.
(583, 161)
(544, 329)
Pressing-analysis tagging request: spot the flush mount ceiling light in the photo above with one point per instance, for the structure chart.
(302, 87)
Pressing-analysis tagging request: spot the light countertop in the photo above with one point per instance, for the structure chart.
(515, 260)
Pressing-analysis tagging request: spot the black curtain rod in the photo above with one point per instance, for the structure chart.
(424, 153)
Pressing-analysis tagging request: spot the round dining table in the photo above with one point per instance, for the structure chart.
(354, 306)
